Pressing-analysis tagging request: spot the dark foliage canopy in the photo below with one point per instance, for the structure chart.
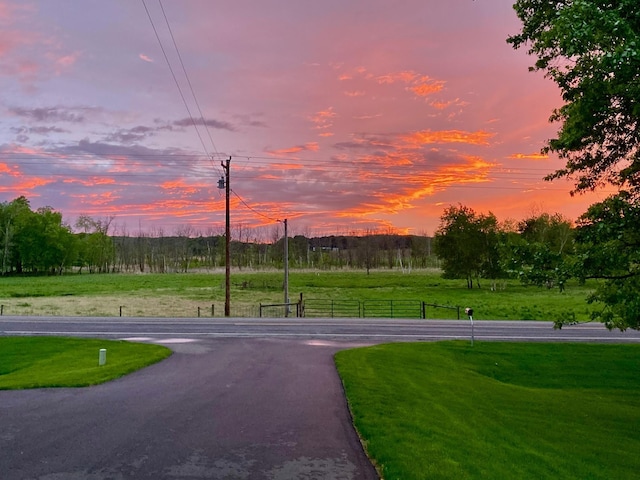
(591, 50)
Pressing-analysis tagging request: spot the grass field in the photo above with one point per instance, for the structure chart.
(495, 410)
(180, 295)
(38, 362)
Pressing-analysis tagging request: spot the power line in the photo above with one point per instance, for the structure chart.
(175, 79)
(254, 210)
(270, 161)
(193, 94)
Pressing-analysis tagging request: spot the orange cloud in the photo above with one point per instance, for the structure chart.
(9, 170)
(402, 191)
(323, 118)
(529, 156)
(406, 76)
(442, 105)
(307, 147)
(91, 181)
(98, 199)
(425, 137)
(425, 89)
(26, 186)
(181, 186)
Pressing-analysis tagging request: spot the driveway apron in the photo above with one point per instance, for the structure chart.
(216, 409)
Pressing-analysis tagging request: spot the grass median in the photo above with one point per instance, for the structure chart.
(43, 362)
(496, 410)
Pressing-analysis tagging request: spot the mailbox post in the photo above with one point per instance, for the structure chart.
(469, 312)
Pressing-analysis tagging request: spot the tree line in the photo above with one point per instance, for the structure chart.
(544, 250)
(466, 245)
(590, 50)
(476, 246)
(40, 242)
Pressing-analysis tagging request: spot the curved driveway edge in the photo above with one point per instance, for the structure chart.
(216, 409)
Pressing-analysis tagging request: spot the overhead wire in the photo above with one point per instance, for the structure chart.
(184, 70)
(246, 172)
(254, 210)
(175, 79)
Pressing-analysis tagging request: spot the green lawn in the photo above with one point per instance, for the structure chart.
(497, 410)
(140, 293)
(37, 362)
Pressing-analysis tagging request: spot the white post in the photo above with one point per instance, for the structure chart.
(102, 357)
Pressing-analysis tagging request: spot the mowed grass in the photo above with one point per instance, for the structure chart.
(39, 362)
(497, 410)
(182, 294)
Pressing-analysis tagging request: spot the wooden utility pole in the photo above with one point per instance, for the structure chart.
(227, 236)
(286, 269)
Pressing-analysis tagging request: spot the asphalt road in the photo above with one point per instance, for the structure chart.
(344, 329)
(239, 399)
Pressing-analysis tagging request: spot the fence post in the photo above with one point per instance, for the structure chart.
(213, 310)
(423, 311)
(120, 310)
(198, 312)
(1, 309)
(301, 306)
(458, 308)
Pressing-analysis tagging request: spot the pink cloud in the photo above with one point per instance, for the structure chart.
(307, 147)
(67, 61)
(529, 156)
(425, 137)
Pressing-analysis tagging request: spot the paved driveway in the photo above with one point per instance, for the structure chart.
(216, 409)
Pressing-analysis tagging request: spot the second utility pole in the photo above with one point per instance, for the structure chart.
(227, 235)
(286, 269)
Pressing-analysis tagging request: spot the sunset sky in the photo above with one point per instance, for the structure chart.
(341, 116)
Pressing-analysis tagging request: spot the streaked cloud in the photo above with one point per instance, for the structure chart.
(50, 114)
(353, 115)
(307, 147)
(529, 156)
(425, 137)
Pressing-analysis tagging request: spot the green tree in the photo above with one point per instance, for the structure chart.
(467, 244)
(9, 215)
(591, 50)
(543, 254)
(609, 249)
(43, 243)
(96, 249)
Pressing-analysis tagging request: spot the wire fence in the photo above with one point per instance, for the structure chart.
(307, 308)
(377, 309)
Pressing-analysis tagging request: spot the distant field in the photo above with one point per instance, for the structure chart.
(497, 410)
(180, 295)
